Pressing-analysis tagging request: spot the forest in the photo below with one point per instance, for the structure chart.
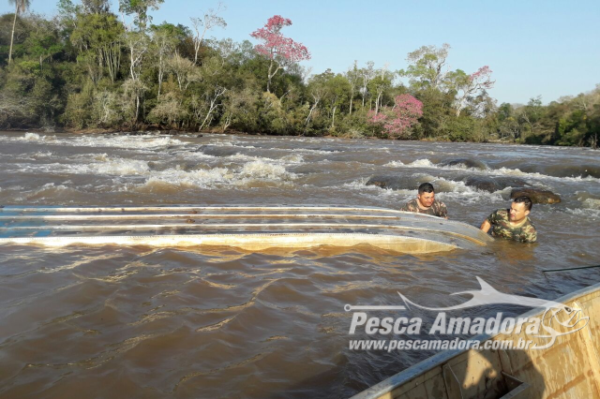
(86, 70)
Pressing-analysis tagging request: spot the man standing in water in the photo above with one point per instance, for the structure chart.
(426, 203)
(514, 223)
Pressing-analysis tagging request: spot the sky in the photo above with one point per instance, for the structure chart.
(535, 48)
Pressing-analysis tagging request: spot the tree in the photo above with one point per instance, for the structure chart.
(95, 6)
(278, 48)
(403, 115)
(379, 85)
(164, 41)
(366, 74)
(43, 42)
(353, 77)
(339, 89)
(468, 87)
(183, 69)
(137, 43)
(20, 6)
(211, 19)
(426, 67)
(98, 38)
(140, 9)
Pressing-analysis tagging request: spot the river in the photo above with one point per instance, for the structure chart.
(220, 322)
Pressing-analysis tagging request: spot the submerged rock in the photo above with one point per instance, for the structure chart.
(217, 151)
(560, 170)
(537, 196)
(469, 163)
(493, 184)
(392, 182)
(483, 183)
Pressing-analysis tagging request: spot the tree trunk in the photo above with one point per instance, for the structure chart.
(12, 36)
(377, 103)
(333, 118)
(269, 76)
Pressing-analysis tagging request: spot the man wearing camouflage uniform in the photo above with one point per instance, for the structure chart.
(514, 223)
(426, 203)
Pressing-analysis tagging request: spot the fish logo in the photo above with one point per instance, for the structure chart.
(488, 295)
(556, 314)
(556, 320)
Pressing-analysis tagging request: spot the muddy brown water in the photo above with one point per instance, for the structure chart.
(131, 322)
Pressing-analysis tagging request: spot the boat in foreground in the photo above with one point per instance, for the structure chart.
(569, 368)
(251, 228)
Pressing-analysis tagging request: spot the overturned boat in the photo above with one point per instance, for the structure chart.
(563, 361)
(251, 228)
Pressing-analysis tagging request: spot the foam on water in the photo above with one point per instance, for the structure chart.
(422, 163)
(360, 184)
(42, 154)
(591, 203)
(263, 170)
(33, 137)
(247, 174)
(585, 213)
(293, 158)
(322, 152)
(120, 167)
(503, 171)
(445, 189)
(197, 178)
(27, 137)
(128, 142)
(52, 191)
(106, 166)
(394, 164)
(218, 143)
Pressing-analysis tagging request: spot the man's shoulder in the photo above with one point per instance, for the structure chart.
(528, 231)
(529, 225)
(439, 209)
(500, 214)
(410, 205)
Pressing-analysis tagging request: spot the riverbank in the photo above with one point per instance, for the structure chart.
(150, 130)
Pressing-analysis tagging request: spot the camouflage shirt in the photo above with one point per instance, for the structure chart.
(501, 227)
(436, 209)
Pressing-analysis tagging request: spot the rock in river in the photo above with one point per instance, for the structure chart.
(537, 196)
(393, 182)
(468, 163)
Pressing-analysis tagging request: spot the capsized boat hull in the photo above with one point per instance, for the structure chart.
(570, 368)
(246, 227)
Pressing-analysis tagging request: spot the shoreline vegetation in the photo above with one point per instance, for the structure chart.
(153, 130)
(86, 71)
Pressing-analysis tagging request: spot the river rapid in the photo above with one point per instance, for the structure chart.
(220, 322)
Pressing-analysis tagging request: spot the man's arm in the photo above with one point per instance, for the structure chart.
(529, 234)
(408, 207)
(485, 226)
(443, 212)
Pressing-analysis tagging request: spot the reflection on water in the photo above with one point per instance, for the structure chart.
(136, 322)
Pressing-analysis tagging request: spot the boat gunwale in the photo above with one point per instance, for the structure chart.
(77, 209)
(407, 375)
(459, 235)
(74, 240)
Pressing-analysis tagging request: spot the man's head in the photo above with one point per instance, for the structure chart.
(520, 208)
(426, 195)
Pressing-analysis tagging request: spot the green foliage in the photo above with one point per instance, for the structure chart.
(85, 70)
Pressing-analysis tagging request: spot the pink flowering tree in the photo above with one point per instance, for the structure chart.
(278, 48)
(469, 87)
(396, 121)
